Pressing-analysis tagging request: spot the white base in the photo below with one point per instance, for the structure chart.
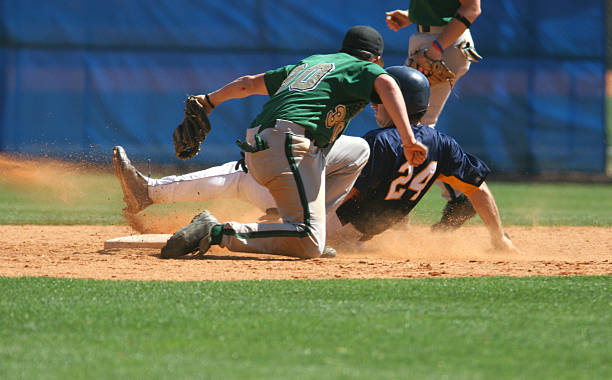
(138, 241)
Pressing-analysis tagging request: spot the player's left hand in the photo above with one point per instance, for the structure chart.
(415, 154)
(504, 244)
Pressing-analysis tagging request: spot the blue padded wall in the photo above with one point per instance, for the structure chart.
(78, 77)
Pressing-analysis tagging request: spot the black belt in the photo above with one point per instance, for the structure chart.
(423, 28)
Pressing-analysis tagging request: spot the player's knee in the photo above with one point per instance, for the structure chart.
(359, 152)
(363, 153)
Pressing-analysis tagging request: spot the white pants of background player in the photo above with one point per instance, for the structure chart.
(458, 64)
(228, 182)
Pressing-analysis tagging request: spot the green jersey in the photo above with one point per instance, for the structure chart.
(322, 93)
(432, 12)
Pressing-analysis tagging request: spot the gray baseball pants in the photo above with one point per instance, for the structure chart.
(296, 173)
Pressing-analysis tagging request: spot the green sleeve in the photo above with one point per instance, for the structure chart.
(366, 81)
(274, 78)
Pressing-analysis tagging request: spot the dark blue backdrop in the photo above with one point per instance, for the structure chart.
(78, 77)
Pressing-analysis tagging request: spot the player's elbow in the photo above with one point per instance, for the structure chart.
(475, 13)
(386, 87)
(384, 82)
(245, 83)
(481, 196)
(252, 85)
(470, 10)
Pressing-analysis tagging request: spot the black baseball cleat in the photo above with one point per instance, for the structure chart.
(133, 183)
(455, 214)
(190, 238)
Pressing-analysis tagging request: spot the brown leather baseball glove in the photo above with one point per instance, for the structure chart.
(189, 135)
(435, 71)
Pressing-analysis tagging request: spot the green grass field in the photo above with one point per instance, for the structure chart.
(609, 134)
(466, 328)
(471, 328)
(95, 198)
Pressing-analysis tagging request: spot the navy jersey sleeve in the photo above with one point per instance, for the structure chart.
(460, 169)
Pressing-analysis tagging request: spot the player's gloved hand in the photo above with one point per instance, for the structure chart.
(415, 153)
(430, 63)
(189, 135)
(423, 62)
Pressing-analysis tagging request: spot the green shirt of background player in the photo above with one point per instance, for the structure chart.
(456, 15)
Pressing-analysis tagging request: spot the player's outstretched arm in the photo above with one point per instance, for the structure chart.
(389, 92)
(484, 204)
(239, 88)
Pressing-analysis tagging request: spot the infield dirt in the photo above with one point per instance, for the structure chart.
(77, 252)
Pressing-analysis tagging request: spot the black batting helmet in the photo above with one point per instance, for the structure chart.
(415, 89)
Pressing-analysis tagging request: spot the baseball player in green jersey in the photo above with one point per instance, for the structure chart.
(443, 34)
(288, 143)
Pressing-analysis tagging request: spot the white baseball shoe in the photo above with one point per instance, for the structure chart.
(134, 184)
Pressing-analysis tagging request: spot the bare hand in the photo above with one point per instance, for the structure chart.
(504, 244)
(397, 19)
(415, 153)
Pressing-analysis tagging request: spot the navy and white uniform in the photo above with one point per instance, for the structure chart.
(389, 187)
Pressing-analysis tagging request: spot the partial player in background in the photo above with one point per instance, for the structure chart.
(389, 187)
(442, 49)
(287, 145)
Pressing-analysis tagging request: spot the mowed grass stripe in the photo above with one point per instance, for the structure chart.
(470, 328)
(96, 198)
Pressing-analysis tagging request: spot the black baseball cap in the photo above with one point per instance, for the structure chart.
(363, 37)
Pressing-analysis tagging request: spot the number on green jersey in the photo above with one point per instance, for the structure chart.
(304, 78)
